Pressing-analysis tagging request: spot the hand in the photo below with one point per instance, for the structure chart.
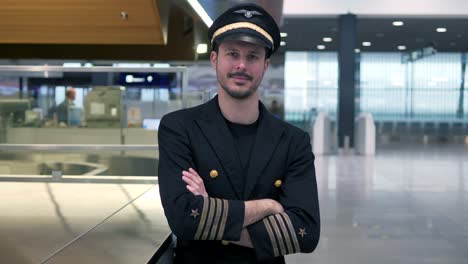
(276, 207)
(194, 182)
(255, 210)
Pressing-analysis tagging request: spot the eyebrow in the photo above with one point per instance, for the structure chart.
(231, 49)
(256, 51)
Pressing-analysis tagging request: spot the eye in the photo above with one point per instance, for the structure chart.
(252, 57)
(233, 54)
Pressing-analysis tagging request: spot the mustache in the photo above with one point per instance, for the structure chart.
(240, 74)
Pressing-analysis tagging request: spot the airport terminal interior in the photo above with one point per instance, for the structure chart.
(381, 88)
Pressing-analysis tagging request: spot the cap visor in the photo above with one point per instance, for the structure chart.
(245, 38)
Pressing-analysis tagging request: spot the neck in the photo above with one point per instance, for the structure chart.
(244, 111)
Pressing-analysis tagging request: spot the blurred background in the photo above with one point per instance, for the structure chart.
(381, 87)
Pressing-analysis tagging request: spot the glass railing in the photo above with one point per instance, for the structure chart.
(91, 203)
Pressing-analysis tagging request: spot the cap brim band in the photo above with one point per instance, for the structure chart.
(239, 25)
(245, 37)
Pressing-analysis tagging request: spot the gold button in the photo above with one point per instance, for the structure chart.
(213, 173)
(278, 183)
(224, 242)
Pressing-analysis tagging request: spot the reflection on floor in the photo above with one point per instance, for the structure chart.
(408, 204)
(39, 220)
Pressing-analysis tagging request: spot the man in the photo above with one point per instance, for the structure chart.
(62, 109)
(237, 184)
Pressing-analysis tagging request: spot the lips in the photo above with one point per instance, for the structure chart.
(240, 76)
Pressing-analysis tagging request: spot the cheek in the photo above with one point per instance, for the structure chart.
(224, 67)
(259, 71)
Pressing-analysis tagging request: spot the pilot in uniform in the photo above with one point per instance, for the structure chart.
(238, 163)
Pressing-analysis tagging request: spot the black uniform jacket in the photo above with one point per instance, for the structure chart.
(281, 168)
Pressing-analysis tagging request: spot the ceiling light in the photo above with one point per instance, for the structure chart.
(283, 34)
(326, 39)
(282, 43)
(321, 47)
(201, 12)
(161, 65)
(366, 44)
(72, 64)
(441, 30)
(398, 23)
(357, 50)
(202, 48)
(131, 65)
(401, 47)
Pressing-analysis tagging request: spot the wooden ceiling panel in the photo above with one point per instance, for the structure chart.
(180, 28)
(81, 22)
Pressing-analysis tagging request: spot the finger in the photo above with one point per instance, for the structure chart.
(189, 174)
(189, 181)
(191, 177)
(194, 172)
(192, 190)
(197, 179)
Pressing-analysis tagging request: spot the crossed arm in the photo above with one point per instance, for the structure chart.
(255, 210)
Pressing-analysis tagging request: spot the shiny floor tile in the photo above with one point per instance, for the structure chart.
(40, 219)
(408, 204)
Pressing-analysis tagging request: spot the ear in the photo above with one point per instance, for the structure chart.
(267, 64)
(213, 59)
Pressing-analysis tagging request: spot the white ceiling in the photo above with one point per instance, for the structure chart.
(376, 7)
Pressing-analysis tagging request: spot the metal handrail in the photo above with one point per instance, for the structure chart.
(75, 147)
(47, 68)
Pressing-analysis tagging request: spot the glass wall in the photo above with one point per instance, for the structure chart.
(426, 90)
(382, 85)
(435, 87)
(311, 85)
(124, 103)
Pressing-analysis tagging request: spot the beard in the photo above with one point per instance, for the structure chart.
(238, 94)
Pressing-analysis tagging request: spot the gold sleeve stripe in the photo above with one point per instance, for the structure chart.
(237, 25)
(278, 234)
(209, 221)
(202, 219)
(223, 220)
(272, 237)
(287, 239)
(216, 219)
(291, 231)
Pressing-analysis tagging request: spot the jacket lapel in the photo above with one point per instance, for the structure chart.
(267, 138)
(214, 128)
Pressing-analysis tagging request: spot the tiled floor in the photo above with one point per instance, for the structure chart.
(80, 223)
(408, 204)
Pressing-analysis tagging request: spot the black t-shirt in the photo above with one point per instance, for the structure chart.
(244, 139)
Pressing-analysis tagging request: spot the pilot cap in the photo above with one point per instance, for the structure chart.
(246, 22)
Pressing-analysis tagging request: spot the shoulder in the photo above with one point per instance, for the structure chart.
(182, 115)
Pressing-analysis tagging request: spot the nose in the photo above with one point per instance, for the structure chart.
(241, 64)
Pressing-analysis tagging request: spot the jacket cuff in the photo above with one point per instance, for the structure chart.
(274, 236)
(220, 220)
